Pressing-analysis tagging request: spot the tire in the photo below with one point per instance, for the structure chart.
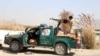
(0, 46)
(60, 49)
(15, 46)
(25, 48)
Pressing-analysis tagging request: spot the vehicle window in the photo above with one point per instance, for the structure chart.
(46, 32)
(31, 30)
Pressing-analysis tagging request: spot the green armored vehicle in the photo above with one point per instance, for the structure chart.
(43, 36)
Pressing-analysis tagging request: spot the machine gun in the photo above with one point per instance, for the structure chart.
(60, 20)
(55, 19)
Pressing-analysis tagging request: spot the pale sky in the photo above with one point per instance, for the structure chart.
(31, 12)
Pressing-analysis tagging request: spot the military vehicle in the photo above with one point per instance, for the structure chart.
(41, 36)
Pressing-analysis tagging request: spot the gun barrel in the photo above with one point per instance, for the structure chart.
(54, 19)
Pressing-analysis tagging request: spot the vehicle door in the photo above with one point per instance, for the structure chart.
(46, 37)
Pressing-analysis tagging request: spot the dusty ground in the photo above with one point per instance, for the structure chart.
(47, 52)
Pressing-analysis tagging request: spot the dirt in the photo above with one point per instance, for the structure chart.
(13, 25)
(38, 51)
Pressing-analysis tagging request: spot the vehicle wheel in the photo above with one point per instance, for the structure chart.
(15, 46)
(0, 46)
(25, 48)
(60, 49)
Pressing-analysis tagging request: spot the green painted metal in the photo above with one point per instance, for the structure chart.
(70, 43)
(45, 39)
